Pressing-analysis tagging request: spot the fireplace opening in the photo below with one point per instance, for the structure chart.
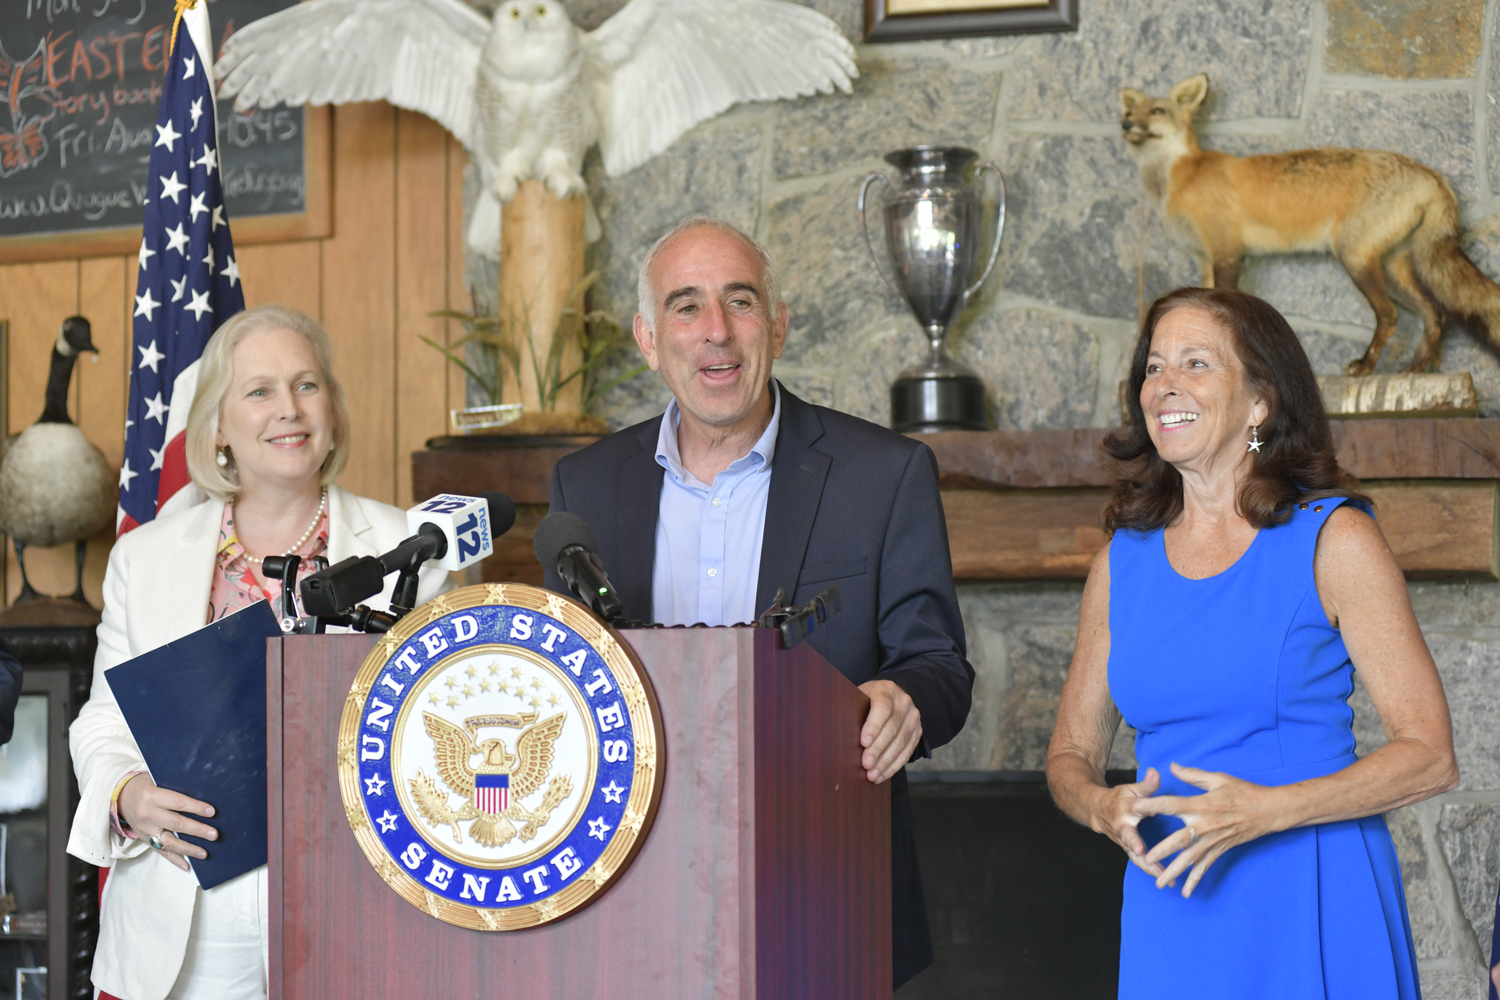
(1024, 903)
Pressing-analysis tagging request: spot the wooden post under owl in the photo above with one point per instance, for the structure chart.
(541, 261)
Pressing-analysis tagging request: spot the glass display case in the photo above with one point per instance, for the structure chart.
(23, 848)
(49, 915)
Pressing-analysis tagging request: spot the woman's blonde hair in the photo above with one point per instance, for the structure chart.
(216, 371)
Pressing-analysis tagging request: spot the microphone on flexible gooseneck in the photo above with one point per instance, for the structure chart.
(565, 543)
(451, 531)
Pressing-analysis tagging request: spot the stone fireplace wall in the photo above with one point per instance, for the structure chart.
(1082, 251)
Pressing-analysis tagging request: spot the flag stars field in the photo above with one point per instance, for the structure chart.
(171, 187)
(150, 356)
(199, 305)
(145, 305)
(166, 135)
(156, 409)
(179, 298)
(177, 239)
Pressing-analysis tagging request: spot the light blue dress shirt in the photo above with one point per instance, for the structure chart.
(708, 535)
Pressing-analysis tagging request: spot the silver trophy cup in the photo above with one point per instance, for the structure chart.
(932, 229)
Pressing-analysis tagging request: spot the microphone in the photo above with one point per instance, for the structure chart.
(450, 531)
(467, 525)
(564, 542)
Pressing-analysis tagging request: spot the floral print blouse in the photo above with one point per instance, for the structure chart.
(235, 585)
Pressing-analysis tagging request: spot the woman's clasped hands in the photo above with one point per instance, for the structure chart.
(154, 812)
(1116, 818)
(1230, 812)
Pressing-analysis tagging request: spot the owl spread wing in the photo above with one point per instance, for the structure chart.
(452, 750)
(534, 756)
(666, 65)
(422, 55)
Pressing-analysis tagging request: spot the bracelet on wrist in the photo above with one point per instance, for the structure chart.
(116, 823)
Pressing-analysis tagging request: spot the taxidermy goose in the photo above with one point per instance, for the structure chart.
(55, 486)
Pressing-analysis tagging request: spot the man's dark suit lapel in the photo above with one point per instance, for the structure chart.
(639, 492)
(798, 473)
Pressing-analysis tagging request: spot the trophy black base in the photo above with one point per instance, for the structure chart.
(921, 404)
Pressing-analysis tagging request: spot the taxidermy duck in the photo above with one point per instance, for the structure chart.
(55, 487)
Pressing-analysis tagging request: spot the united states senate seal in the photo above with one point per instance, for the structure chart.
(500, 757)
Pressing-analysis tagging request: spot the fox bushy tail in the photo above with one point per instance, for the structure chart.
(1461, 289)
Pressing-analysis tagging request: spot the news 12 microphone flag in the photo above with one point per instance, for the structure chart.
(188, 282)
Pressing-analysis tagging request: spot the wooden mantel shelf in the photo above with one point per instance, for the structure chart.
(1024, 505)
(1448, 448)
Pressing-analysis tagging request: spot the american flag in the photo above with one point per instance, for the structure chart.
(188, 280)
(492, 792)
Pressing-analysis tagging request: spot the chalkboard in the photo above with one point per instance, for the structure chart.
(80, 85)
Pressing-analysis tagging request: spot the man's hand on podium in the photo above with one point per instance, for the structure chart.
(891, 730)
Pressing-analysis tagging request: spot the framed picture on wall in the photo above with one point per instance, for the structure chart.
(913, 20)
(76, 137)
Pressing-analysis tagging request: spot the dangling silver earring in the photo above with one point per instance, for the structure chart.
(223, 458)
(1254, 439)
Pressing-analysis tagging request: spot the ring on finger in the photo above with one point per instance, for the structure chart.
(155, 841)
(1192, 835)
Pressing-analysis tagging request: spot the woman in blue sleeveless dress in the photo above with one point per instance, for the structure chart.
(1244, 582)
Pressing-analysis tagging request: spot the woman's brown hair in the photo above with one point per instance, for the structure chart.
(1296, 462)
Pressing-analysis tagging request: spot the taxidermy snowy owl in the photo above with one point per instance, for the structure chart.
(526, 92)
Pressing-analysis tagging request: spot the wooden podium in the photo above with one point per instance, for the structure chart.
(766, 873)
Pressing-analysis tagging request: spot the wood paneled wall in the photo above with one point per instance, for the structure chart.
(396, 254)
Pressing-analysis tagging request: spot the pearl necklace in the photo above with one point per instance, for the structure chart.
(322, 505)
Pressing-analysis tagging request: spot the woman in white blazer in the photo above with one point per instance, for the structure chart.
(267, 433)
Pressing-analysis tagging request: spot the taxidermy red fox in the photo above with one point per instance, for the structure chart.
(1390, 221)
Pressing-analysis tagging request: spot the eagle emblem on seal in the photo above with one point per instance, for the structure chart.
(493, 820)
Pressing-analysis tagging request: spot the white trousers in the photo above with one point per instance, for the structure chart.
(228, 949)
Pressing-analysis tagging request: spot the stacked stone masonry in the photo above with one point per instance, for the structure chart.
(1082, 251)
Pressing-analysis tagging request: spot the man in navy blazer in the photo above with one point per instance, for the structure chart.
(742, 488)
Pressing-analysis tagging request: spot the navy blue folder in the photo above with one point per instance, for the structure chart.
(197, 710)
